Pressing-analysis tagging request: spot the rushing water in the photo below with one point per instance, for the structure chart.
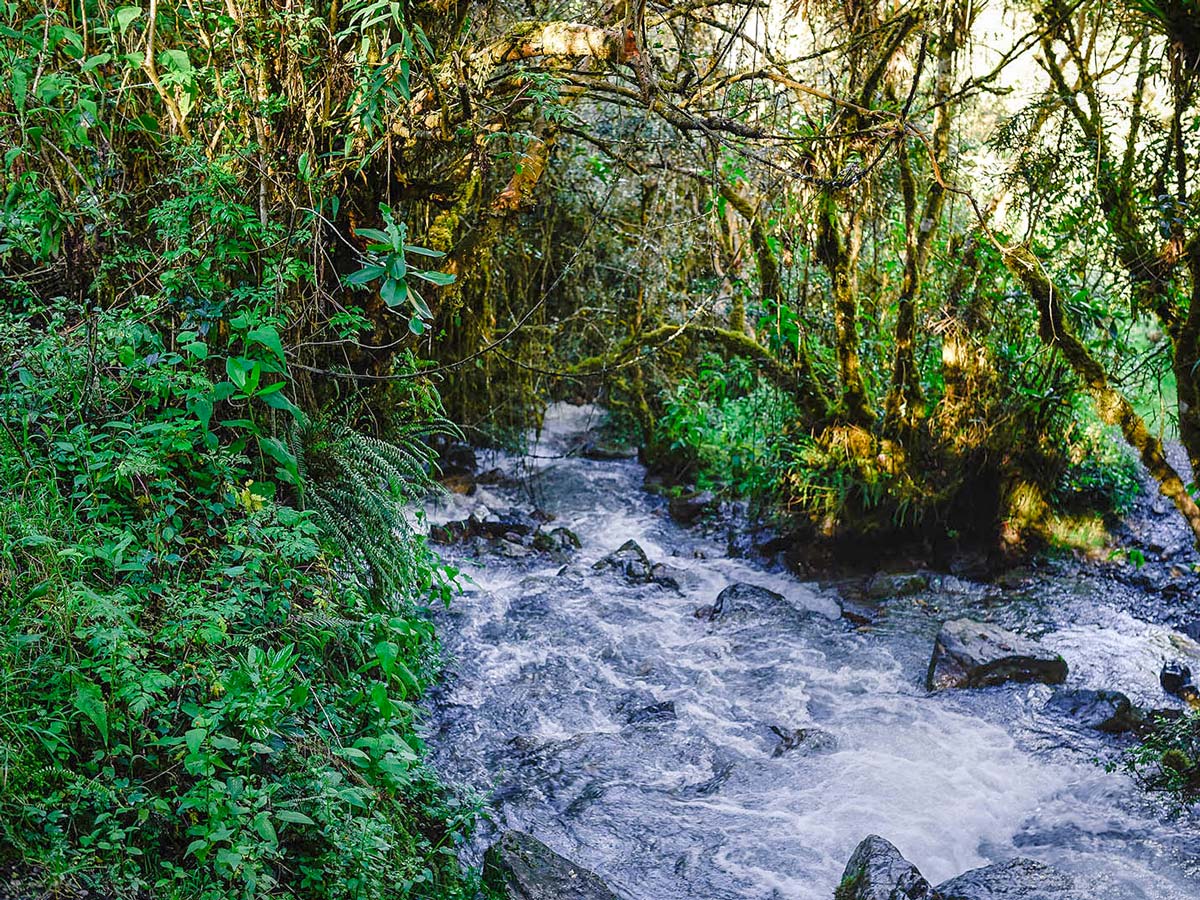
(558, 708)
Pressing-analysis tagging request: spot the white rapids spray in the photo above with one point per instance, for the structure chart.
(634, 737)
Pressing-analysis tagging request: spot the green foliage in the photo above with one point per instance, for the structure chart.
(1168, 758)
(206, 695)
(731, 426)
(1101, 475)
(388, 264)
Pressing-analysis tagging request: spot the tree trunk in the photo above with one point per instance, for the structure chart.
(1111, 404)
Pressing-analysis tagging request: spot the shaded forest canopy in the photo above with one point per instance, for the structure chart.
(881, 206)
(903, 268)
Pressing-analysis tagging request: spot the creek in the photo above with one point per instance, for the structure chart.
(603, 716)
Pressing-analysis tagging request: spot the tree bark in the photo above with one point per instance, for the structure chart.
(1111, 404)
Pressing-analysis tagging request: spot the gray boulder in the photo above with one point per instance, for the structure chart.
(970, 654)
(877, 871)
(1108, 711)
(520, 867)
(630, 560)
(806, 741)
(1017, 879)
(603, 450)
(744, 598)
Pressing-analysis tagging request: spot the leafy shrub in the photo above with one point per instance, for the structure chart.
(731, 425)
(1102, 473)
(1168, 758)
(205, 694)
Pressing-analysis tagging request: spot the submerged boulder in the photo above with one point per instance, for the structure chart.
(878, 871)
(896, 584)
(602, 450)
(1017, 879)
(687, 508)
(970, 654)
(1108, 711)
(804, 741)
(520, 867)
(653, 713)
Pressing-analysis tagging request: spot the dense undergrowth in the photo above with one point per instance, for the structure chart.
(208, 687)
(730, 430)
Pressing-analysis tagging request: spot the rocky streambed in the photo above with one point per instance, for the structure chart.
(684, 723)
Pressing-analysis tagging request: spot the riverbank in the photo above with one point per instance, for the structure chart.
(608, 713)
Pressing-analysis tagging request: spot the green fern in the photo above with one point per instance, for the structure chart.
(361, 487)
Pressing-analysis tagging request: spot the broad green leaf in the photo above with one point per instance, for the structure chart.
(90, 701)
(365, 275)
(176, 61)
(441, 278)
(394, 292)
(290, 815)
(267, 336)
(423, 251)
(194, 738)
(125, 16)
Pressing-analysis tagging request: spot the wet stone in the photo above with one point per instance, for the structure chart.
(502, 523)
(565, 539)
(744, 598)
(1017, 879)
(686, 509)
(1176, 679)
(969, 654)
(496, 478)
(806, 741)
(905, 584)
(653, 713)
(878, 871)
(513, 549)
(602, 450)
(520, 867)
(630, 560)
(1108, 711)
(861, 615)
(458, 482)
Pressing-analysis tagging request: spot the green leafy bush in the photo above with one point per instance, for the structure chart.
(1102, 473)
(1168, 758)
(206, 694)
(731, 426)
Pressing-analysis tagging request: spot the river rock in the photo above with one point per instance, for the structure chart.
(877, 871)
(1017, 879)
(458, 482)
(1176, 679)
(902, 584)
(653, 713)
(566, 538)
(502, 523)
(1108, 711)
(513, 549)
(498, 478)
(741, 598)
(602, 450)
(630, 560)
(520, 867)
(687, 508)
(860, 615)
(802, 740)
(970, 654)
